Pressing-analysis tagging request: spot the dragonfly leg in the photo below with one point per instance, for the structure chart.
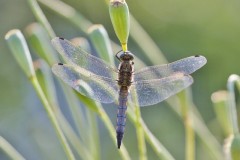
(117, 56)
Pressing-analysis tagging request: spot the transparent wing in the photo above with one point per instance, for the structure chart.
(76, 56)
(151, 92)
(99, 88)
(186, 66)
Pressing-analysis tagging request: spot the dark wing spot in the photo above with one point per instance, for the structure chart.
(197, 55)
(61, 38)
(60, 64)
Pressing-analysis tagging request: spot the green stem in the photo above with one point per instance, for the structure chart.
(45, 79)
(9, 150)
(94, 140)
(232, 80)
(97, 107)
(40, 17)
(187, 120)
(190, 139)
(209, 141)
(159, 149)
(74, 140)
(74, 108)
(52, 118)
(68, 13)
(140, 135)
(70, 134)
(139, 129)
(108, 124)
(70, 97)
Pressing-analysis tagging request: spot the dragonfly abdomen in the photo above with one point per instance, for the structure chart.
(121, 114)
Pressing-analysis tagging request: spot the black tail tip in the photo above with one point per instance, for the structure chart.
(119, 144)
(119, 139)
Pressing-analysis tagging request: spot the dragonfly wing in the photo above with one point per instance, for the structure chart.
(186, 66)
(150, 92)
(74, 55)
(99, 88)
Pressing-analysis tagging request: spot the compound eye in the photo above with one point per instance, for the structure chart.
(132, 63)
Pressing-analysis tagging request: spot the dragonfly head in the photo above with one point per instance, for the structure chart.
(125, 56)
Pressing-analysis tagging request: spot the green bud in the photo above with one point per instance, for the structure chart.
(235, 147)
(220, 102)
(119, 15)
(18, 46)
(41, 43)
(101, 42)
(45, 79)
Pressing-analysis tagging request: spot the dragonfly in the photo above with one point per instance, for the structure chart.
(96, 79)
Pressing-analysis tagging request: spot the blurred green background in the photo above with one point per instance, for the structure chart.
(179, 28)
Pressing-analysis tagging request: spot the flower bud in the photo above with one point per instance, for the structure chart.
(119, 15)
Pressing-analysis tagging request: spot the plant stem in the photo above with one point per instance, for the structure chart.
(72, 137)
(232, 80)
(97, 107)
(108, 124)
(68, 12)
(70, 96)
(209, 141)
(140, 135)
(52, 118)
(40, 17)
(190, 138)
(139, 129)
(159, 149)
(94, 140)
(186, 116)
(9, 150)
(45, 79)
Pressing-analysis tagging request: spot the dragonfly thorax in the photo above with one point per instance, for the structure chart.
(125, 74)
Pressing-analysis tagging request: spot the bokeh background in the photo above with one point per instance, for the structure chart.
(179, 28)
